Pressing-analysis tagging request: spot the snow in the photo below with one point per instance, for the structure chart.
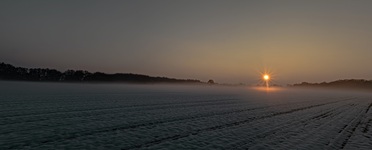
(115, 116)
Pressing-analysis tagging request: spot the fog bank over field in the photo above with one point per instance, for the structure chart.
(9, 87)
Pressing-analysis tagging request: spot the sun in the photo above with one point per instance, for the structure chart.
(266, 77)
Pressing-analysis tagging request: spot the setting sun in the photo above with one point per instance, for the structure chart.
(266, 77)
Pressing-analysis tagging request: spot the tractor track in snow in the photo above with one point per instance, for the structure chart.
(345, 134)
(71, 136)
(288, 125)
(179, 136)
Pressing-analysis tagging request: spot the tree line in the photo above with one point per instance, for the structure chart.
(347, 83)
(10, 72)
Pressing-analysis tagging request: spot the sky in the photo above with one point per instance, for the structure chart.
(229, 41)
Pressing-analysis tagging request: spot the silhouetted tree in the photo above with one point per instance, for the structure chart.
(210, 82)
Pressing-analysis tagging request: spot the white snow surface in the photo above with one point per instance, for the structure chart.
(117, 116)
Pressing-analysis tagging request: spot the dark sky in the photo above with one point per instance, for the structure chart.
(228, 41)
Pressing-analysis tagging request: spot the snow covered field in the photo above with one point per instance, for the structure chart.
(114, 116)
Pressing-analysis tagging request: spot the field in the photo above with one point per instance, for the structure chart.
(114, 116)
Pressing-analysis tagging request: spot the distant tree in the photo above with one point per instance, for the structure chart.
(53, 75)
(210, 82)
(72, 75)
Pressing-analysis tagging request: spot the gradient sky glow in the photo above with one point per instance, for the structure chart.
(228, 41)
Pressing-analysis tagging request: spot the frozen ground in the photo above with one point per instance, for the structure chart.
(102, 116)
